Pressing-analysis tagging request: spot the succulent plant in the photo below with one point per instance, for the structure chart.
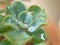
(21, 25)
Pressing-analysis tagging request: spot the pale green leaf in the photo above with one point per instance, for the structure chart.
(43, 43)
(9, 19)
(1, 18)
(17, 37)
(7, 27)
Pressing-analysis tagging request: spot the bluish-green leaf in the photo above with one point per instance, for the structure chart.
(17, 37)
(40, 21)
(37, 11)
(5, 42)
(38, 35)
(18, 7)
(25, 17)
(15, 8)
(10, 10)
(22, 16)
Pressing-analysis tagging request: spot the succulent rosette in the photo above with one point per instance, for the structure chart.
(21, 25)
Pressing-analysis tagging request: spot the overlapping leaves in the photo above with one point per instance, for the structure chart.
(21, 25)
(38, 35)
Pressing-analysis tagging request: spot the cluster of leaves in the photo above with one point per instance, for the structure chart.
(21, 25)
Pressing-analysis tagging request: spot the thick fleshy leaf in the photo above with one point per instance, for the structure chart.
(43, 13)
(15, 8)
(18, 7)
(25, 17)
(37, 11)
(29, 18)
(38, 35)
(22, 16)
(9, 19)
(37, 23)
(7, 27)
(5, 42)
(43, 43)
(17, 37)
(10, 10)
(1, 18)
